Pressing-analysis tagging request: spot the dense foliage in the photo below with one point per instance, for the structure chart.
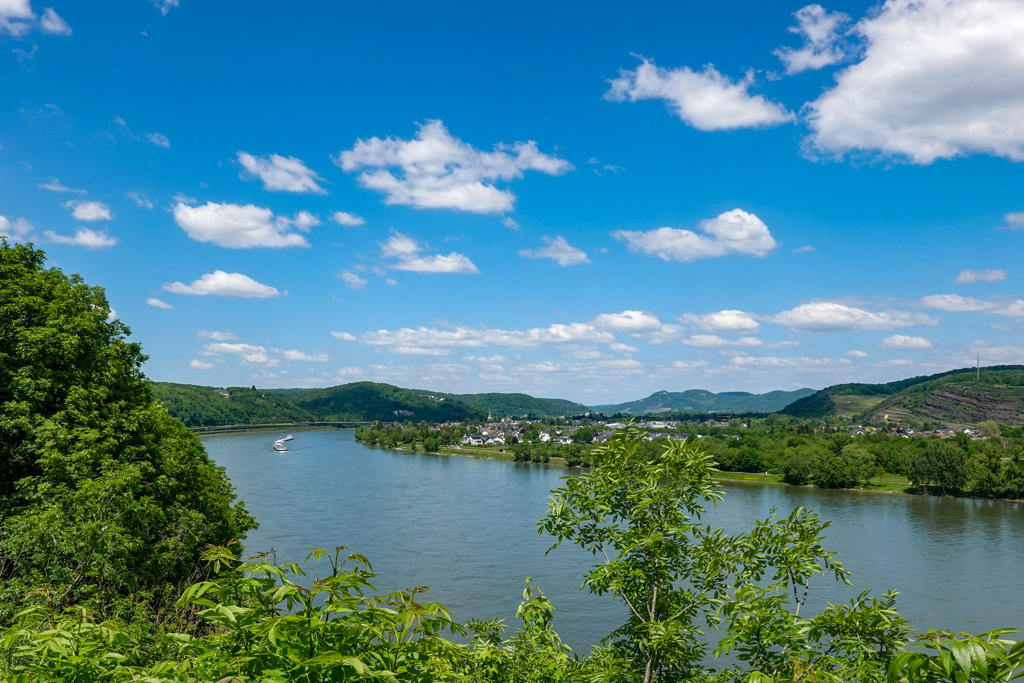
(515, 405)
(104, 499)
(199, 406)
(365, 401)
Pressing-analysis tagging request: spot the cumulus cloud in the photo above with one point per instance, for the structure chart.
(706, 99)
(901, 342)
(510, 223)
(348, 219)
(806, 249)
(282, 174)
(827, 316)
(17, 18)
(434, 341)
(88, 211)
(939, 79)
(158, 139)
(229, 285)
(954, 303)
(778, 361)
(854, 353)
(157, 303)
(200, 365)
(54, 185)
(708, 341)
(729, 321)
(83, 237)
(406, 253)
(820, 31)
(236, 226)
(296, 355)
(216, 336)
(632, 322)
(352, 280)
(1014, 221)
(247, 354)
(344, 336)
(733, 232)
(438, 171)
(969, 276)
(558, 250)
(17, 230)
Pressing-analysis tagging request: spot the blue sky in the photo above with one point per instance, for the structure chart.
(584, 200)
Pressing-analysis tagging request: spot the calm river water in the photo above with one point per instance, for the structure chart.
(467, 528)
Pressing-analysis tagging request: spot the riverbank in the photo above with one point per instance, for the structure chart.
(886, 484)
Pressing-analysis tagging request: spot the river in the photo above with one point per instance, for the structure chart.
(467, 528)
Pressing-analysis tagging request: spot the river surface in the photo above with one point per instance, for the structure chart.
(467, 528)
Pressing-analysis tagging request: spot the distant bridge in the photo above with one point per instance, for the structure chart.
(228, 429)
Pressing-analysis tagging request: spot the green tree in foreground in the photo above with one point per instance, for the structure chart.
(676, 575)
(104, 498)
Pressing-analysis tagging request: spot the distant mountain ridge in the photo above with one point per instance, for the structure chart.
(702, 401)
(514, 405)
(962, 396)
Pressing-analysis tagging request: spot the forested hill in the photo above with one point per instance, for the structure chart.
(700, 401)
(953, 397)
(199, 406)
(514, 405)
(361, 401)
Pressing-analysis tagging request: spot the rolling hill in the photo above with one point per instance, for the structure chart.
(362, 401)
(199, 406)
(701, 401)
(514, 405)
(955, 397)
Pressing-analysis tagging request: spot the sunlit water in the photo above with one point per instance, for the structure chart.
(467, 528)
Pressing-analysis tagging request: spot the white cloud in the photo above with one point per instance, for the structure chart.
(939, 79)
(283, 174)
(1014, 221)
(183, 198)
(820, 30)
(88, 211)
(236, 226)
(854, 353)
(777, 361)
(733, 232)
(346, 218)
(18, 230)
(969, 276)
(230, 285)
(17, 18)
(54, 185)
(558, 250)
(352, 280)
(158, 139)
(954, 303)
(406, 252)
(157, 303)
(804, 249)
(622, 348)
(304, 220)
(165, 6)
(730, 321)
(433, 341)
(826, 316)
(200, 365)
(216, 336)
(247, 354)
(438, 171)
(296, 355)
(689, 364)
(140, 199)
(706, 99)
(344, 336)
(83, 237)
(509, 223)
(707, 341)
(633, 322)
(54, 24)
(901, 342)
